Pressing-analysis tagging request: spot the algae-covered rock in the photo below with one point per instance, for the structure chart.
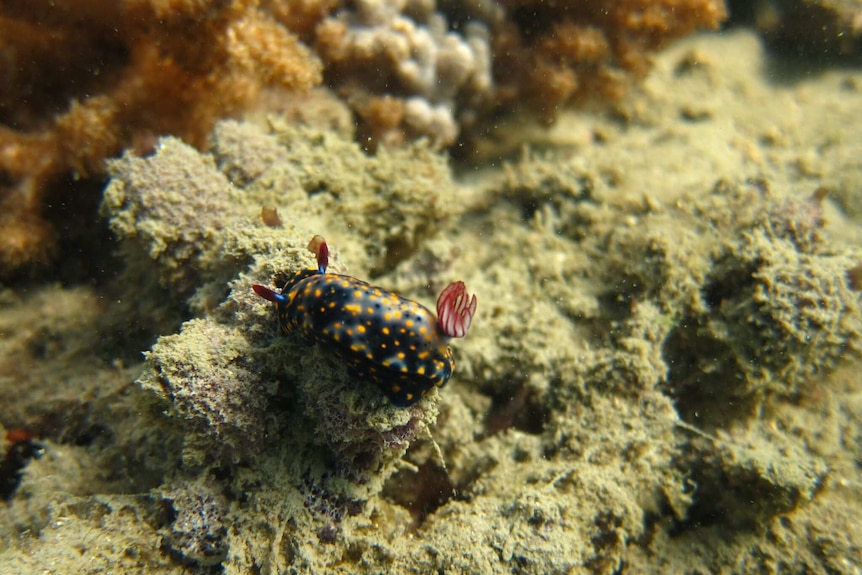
(197, 533)
(745, 478)
(211, 380)
(777, 310)
(662, 375)
(114, 534)
(232, 384)
(198, 216)
(173, 205)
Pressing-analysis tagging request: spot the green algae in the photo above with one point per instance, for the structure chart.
(655, 380)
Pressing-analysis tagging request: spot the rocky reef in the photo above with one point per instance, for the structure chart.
(661, 375)
(88, 81)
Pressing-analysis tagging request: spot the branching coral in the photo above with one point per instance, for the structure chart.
(403, 70)
(120, 74)
(549, 55)
(82, 81)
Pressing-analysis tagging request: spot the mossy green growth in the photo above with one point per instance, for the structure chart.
(198, 216)
(233, 384)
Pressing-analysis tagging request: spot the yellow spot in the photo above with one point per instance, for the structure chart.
(337, 325)
(385, 331)
(401, 355)
(421, 371)
(387, 316)
(409, 397)
(396, 388)
(345, 283)
(409, 323)
(423, 330)
(323, 309)
(369, 356)
(349, 331)
(360, 328)
(352, 308)
(318, 293)
(404, 369)
(397, 314)
(357, 294)
(382, 346)
(331, 304)
(369, 310)
(397, 343)
(387, 363)
(423, 355)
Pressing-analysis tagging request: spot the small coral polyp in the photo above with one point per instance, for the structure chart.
(396, 343)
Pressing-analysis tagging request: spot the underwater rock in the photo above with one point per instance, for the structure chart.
(211, 380)
(743, 479)
(198, 531)
(228, 379)
(819, 28)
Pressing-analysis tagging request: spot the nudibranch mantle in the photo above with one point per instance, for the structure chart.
(395, 342)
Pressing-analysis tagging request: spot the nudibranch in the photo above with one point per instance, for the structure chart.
(394, 342)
